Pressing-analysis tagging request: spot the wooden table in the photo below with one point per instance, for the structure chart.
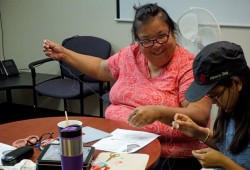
(10, 132)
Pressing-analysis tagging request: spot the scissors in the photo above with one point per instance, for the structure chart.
(112, 155)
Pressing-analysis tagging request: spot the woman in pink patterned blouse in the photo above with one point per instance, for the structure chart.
(150, 79)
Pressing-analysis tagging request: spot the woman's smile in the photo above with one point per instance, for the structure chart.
(158, 52)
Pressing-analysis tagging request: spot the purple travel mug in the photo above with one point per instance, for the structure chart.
(71, 148)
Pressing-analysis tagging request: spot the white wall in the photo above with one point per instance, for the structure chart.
(176, 8)
(27, 22)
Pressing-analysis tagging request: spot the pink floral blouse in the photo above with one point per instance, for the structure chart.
(134, 87)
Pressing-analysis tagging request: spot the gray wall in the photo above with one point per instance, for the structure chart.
(27, 22)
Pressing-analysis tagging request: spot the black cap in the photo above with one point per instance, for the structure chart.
(215, 62)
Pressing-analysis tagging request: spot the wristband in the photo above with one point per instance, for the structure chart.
(208, 131)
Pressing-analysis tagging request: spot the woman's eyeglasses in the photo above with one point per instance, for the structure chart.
(217, 95)
(34, 140)
(160, 40)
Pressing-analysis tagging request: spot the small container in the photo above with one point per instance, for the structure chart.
(71, 148)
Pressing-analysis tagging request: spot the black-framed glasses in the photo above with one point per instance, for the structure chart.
(33, 140)
(216, 96)
(161, 39)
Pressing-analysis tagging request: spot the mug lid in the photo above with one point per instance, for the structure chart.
(71, 131)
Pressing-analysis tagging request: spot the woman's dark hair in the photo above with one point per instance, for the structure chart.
(240, 115)
(146, 12)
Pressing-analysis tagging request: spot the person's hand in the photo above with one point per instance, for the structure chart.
(53, 50)
(142, 116)
(185, 124)
(208, 157)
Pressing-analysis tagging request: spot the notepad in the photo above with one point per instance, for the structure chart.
(133, 161)
(92, 134)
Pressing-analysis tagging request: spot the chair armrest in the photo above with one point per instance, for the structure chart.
(38, 62)
(33, 65)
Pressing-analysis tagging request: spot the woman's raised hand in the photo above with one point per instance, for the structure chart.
(185, 124)
(53, 50)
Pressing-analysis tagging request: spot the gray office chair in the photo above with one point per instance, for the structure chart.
(72, 84)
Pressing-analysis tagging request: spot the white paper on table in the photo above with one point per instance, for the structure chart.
(121, 139)
(92, 134)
